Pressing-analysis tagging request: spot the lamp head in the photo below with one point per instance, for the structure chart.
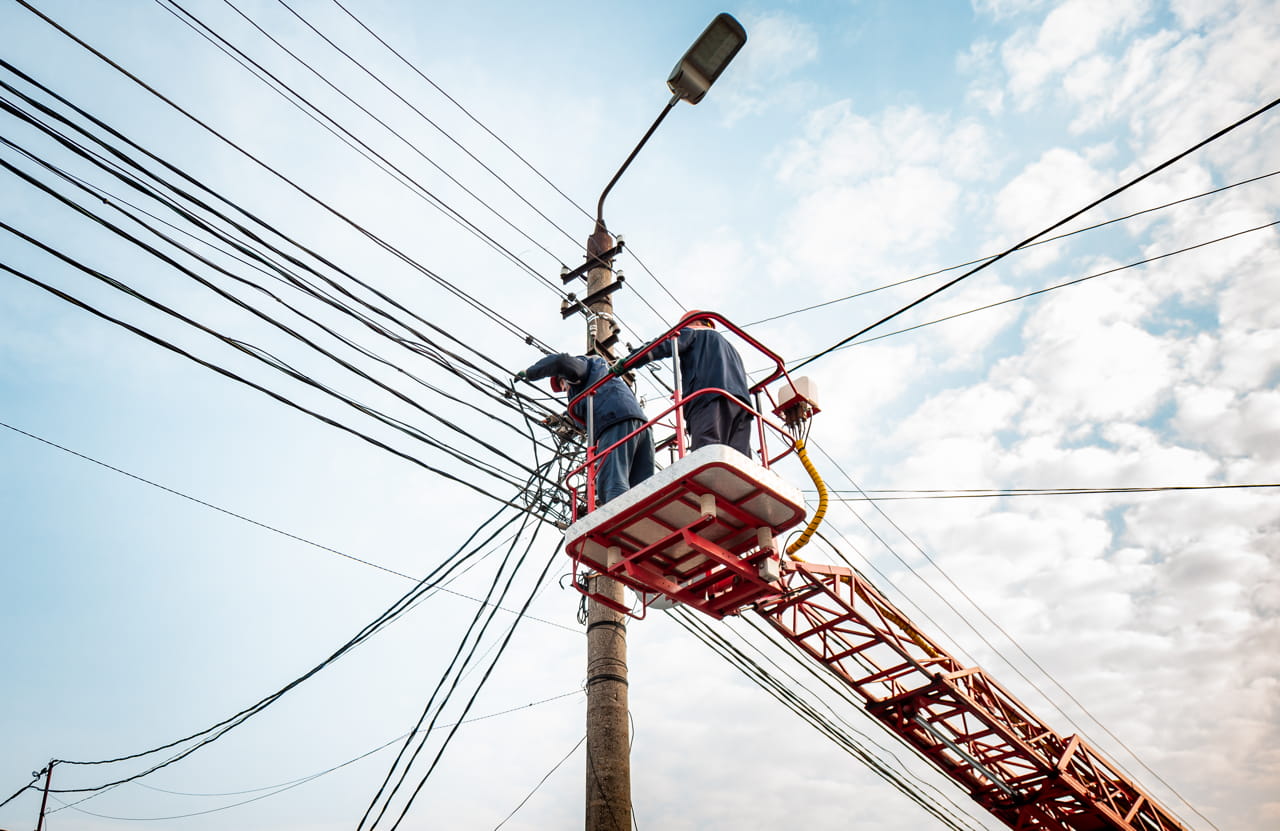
(707, 58)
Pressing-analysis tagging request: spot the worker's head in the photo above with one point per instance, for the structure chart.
(705, 323)
(557, 383)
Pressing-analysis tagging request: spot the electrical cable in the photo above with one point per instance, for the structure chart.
(1055, 287)
(990, 256)
(444, 676)
(401, 176)
(766, 681)
(1043, 671)
(446, 448)
(281, 273)
(210, 734)
(982, 493)
(233, 376)
(433, 124)
(253, 352)
(529, 337)
(1170, 161)
(412, 67)
(266, 526)
(479, 686)
(541, 782)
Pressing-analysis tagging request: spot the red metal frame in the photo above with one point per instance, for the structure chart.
(965, 723)
(594, 455)
(730, 581)
(710, 562)
(968, 726)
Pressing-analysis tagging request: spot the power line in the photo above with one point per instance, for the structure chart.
(479, 686)
(870, 495)
(541, 782)
(511, 326)
(235, 377)
(412, 67)
(259, 353)
(844, 739)
(286, 786)
(1039, 234)
(436, 353)
(436, 126)
(1004, 632)
(263, 525)
(990, 256)
(280, 87)
(216, 731)
(1067, 284)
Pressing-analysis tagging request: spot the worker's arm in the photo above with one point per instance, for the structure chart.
(662, 350)
(566, 366)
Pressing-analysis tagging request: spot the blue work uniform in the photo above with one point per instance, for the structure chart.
(615, 413)
(708, 361)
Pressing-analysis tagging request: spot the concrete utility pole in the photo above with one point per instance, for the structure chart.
(608, 737)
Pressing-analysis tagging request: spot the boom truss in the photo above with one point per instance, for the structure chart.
(961, 720)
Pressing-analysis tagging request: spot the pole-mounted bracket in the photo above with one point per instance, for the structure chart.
(571, 304)
(598, 261)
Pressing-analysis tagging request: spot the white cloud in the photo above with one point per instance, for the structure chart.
(873, 188)
(778, 47)
(1036, 197)
(1070, 33)
(1008, 8)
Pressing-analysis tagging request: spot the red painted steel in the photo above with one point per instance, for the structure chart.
(709, 562)
(966, 724)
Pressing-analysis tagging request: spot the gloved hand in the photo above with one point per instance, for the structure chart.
(521, 375)
(618, 368)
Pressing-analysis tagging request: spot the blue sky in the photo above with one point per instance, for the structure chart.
(851, 145)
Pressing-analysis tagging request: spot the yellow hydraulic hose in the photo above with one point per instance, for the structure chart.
(809, 530)
(822, 501)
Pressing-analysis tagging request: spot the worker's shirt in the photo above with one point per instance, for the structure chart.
(614, 401)
(706, 360)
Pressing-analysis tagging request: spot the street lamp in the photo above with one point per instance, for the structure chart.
(696, 71)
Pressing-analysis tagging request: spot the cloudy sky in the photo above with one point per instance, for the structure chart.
(853, 146)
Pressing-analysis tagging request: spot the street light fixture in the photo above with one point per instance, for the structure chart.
(697, 70)
(707, 58)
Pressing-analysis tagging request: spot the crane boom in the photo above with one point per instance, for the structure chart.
(702, 531)
(957, 717)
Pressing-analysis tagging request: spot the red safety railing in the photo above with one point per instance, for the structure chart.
(763, 424)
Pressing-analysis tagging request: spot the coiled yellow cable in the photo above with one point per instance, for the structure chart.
(822, 501)
(809, 530)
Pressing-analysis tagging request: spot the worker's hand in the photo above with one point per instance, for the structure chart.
(522, 375)
(618, 368)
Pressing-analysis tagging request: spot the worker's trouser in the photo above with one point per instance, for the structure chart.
(627, 465)
(714, 419)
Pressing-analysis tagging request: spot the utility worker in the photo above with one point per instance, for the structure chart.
(707, 361)
(615, 413)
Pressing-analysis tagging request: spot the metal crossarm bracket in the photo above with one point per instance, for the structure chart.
(583, 305)
(599, 261)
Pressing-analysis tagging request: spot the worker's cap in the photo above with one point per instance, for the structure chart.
(692, 313)
(557, 383)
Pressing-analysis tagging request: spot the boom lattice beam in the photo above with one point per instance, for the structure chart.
(965, 723)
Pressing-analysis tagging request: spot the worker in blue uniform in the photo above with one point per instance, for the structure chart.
(615, 413)
(707, 361)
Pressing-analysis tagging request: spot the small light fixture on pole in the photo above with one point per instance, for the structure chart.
(707, 58)
(696, 71)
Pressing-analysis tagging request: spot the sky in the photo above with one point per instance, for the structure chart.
(178, 545)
